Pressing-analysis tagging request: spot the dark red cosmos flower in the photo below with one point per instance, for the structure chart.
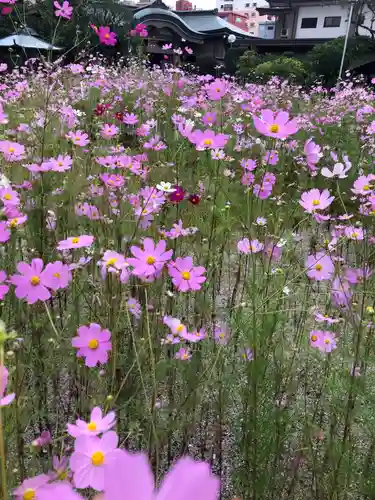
(119, 116)
(177, 195)
(194, 199)
(6, 10)
(100, 109)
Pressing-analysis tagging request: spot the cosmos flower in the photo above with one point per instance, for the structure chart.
(65, 10)
(207, 139)
(354, 233)
(151, 259)
(322, 340)
(106, 36)
(183, 354)
(221, 333)
(109, 131)
(134, 307)
(75, 242)
(5, 400)
(339, 171)
(91, 456)
(175, 325)
(315, 200)
(185, 276)
(319, 266)
(61, 164)
(57, 275)
(93, 344)
(275, 125)
(98, 424)
(111, 262)
(245, 246)
(31, 282)
(4, 232)
(217, 89)
(78, 138)
(129, 477)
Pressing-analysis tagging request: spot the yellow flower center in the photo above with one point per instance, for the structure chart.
(13, 222)
(112, 261)
(222, 335)
(274, 128)
(97, 458)
(314, 338)
(366, 187)
(326, 341)
(60, 163)
(185, 275)
(91, 426)
(185, 356)
(355, 235)
(56, 275)
(150, 260)
(106, 36)
(93, 344)
(75, 240)
(34, 280)
(316, 203)
(318, 267)
(29, 494)
(7, 196)
(77, 139)
(179, 328)
(11, 149)
(208, 142)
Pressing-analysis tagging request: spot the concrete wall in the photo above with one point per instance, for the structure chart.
(321, 12)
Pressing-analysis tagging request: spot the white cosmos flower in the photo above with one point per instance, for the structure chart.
(339, 171)
(166, 187)
(4, 181)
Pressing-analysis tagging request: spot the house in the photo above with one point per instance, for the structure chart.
(245, 8)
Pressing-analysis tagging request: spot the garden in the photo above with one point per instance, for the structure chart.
(187, 295)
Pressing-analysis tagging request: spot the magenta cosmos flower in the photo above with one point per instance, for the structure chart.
(75, 242)
(315, 200)
(32, 281)
(57, 275)
(129, 477)
(30, 488)
(97, 424)
(5, 400)
(150, 260)
(4, 289)
(217, 89)
(91, 457)
(245, 246)
(78, 138)
(4, 232)
(65, 10)
(207, 139)
(319, 266)
(275, 125)
(322, 340)
(106, 36)
(93, 343)
(185, 276)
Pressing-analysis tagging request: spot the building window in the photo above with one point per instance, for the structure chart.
(254, 5)
(228, 6)
(251, 33)
(332, 22)
(309, 22)
(247, 5)
(221, 6)
(269, 18)
(270, 28)
(252, 25)
(253, 14)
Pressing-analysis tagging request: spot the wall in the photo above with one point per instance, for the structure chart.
(238, 19)
(322, 11)
(246, 7)
(267, 30)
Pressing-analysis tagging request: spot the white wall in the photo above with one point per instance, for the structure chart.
(322, 11)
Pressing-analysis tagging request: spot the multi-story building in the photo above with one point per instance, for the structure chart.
(184, 5)
(245, 8)
(238, 19)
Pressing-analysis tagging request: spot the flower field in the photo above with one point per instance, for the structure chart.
(186, 271)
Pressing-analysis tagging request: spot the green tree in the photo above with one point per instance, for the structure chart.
(288, 68)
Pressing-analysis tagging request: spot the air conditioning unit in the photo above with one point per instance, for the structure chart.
(284, 33)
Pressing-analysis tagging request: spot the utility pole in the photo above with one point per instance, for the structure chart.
(346, 39)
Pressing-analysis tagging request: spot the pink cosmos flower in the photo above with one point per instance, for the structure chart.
(248, 164)
(355, 276)
(134, 307)
(9, 196)
(221, 333)
(183, 354)
(111, 262)
(312, 152)
(109, 131)
(97, 424)
(209, 119)
(130, 119)
(91, 456)
(151, 259)
(32, 281)
(78, 138)
(3, 288)
(12, 151)
(262, 191)
(195, 336)
(185, 276)
(112, 180)
(245, 246)
(354, 233)
(271, 158)
(177, 328)
(65, 10)
(364, 184)
(167, 46)
(4, 232)
(75, 242)
(93, 343)
(61, 163)
(58, 491)
(217, 89)
(59, 470)
(275, 125)
(106, 36)
(207, 139)
(321, 318)
(272, 251)
(57, 275)
(30, 488)
(315, 200)
(5, 400)
(322, 340)
(341, 293)
(44, 439)
(247, 179)
(319, 266)
(130, 477)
